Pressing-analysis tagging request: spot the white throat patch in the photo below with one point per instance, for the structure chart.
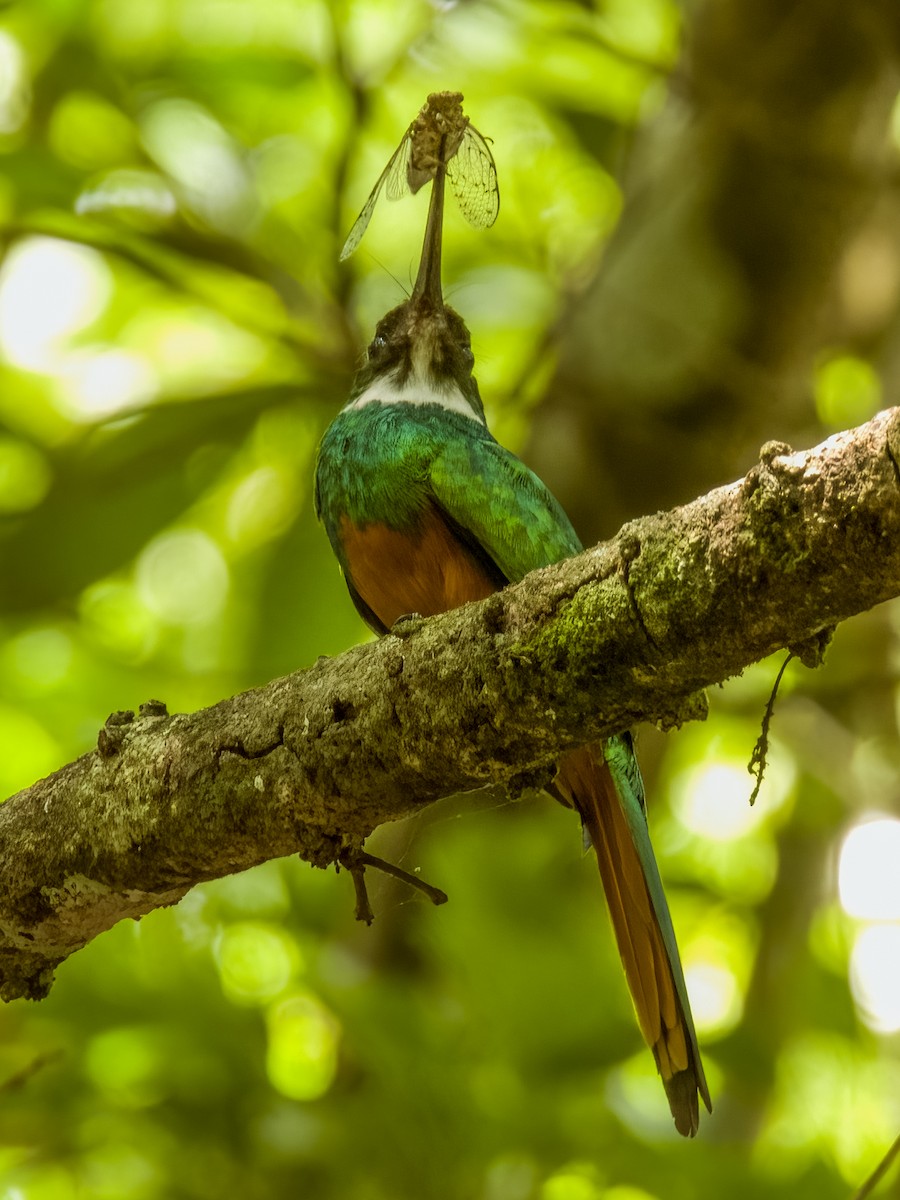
(417, 389)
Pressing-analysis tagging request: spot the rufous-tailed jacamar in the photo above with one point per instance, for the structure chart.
(425, 512)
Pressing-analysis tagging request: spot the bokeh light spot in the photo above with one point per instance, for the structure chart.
(183, 578)
(868, 876)
(633, 1092)
(24, 475)
(716, 999)
(875, 976)
(711, 789)
(102, 382)
(831, 935)
(38, 660)
(29, 750)
(650, 29)
(15, 86)
(571, 1183)
(832, 1100)
(116, 1170)
(49, 290)
(42, 1181)
(89, 132)
(847, 391)
(256, 961)
(115, 617)
(303, 1042)
(127, 1065)
(260, 508)
(192, 147)
(713, 801)
(129, 192)
(194, 349)
(510, 1177)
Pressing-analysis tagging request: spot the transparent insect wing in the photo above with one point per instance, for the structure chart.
(473, 177)
(397, 170)
(394, 175)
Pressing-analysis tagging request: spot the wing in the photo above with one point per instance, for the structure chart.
(473, 177)
(503, 506)
(397, 170)
(394, 175)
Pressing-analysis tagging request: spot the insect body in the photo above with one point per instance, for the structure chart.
(440, 134)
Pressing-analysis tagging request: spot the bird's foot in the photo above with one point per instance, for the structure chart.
(406, 625)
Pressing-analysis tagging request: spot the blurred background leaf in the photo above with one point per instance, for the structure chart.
(697, 252)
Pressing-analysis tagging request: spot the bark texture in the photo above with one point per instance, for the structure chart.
(310, 764)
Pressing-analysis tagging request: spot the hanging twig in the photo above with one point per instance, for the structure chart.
(356, 861)
(759, 758)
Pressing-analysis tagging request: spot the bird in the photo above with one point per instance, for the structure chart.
(426, 511)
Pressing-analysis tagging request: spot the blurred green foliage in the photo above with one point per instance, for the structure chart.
(175, 332)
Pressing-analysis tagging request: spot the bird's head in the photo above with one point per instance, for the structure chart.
(422, 346)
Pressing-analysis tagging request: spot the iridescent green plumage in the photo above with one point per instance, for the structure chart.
(383, 463)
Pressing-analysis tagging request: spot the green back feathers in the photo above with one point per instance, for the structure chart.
(386, 463)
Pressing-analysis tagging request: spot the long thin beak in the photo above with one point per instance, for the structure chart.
(427, 292)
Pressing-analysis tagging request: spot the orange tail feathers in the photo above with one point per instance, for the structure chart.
(661, 1004)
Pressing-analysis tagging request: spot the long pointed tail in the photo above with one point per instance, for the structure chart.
(604, 785)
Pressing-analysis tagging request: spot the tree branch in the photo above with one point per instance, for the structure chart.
(491, 693)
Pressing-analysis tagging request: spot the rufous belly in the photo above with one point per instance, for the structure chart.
(426, 571)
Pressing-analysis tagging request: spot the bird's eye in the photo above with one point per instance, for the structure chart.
(467, 356)
(377, 345)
